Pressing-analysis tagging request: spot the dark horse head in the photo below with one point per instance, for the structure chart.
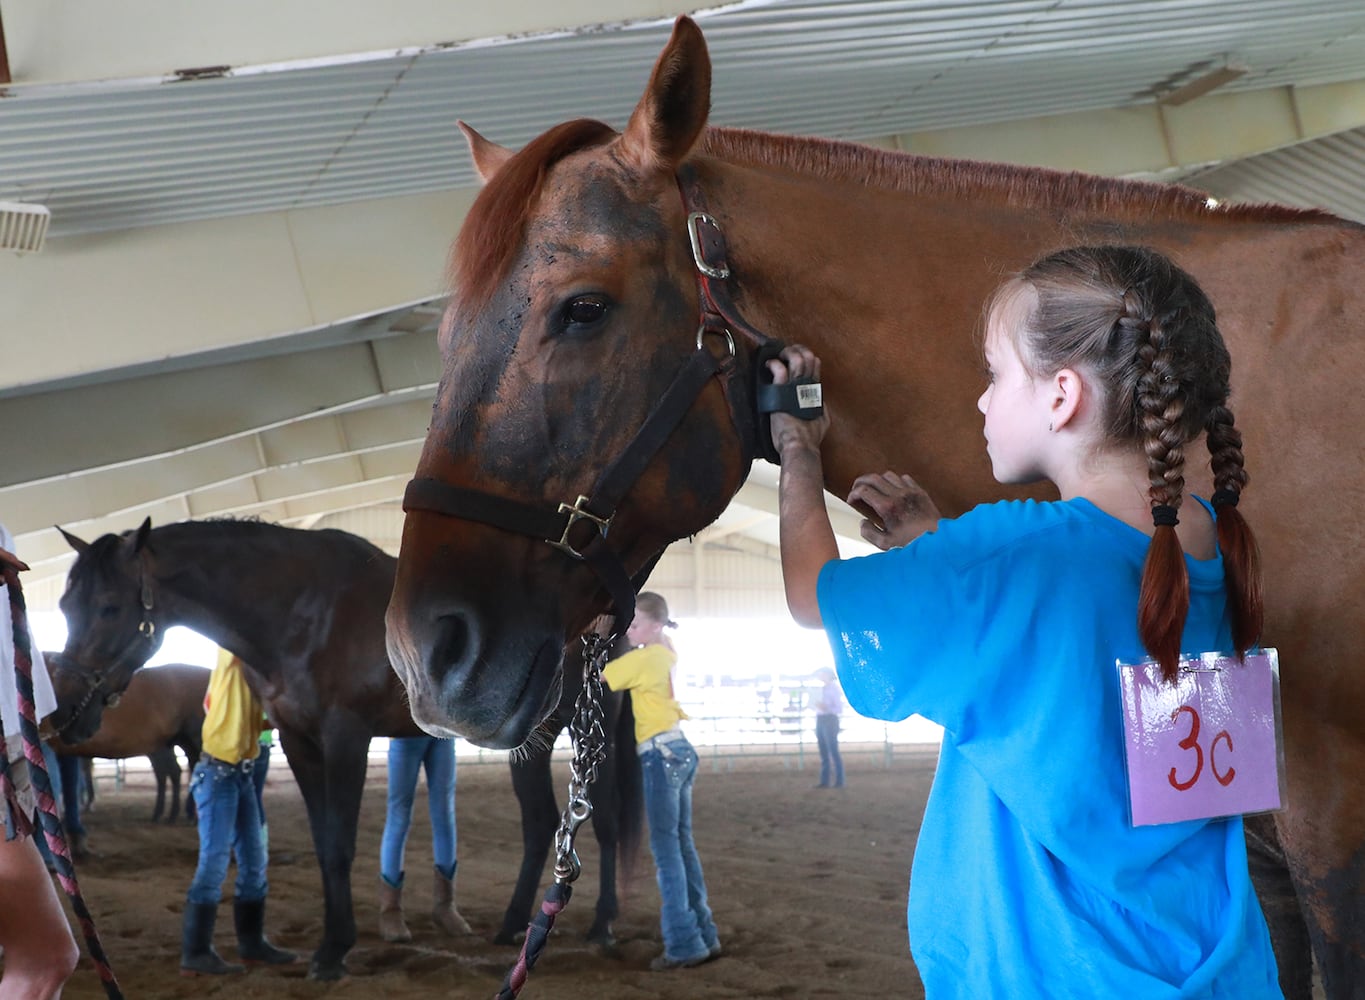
(110, 627)
(576, 318)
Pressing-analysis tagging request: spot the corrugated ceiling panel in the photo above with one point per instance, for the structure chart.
(1326, 173)
(113, 156)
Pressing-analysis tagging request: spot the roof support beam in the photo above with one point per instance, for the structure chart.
(1152, 138)
(107, 301)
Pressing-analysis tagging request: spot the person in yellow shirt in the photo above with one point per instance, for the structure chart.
(668, 763)
(229, 822)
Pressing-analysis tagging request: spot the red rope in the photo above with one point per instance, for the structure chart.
(556, 898)
(42, 784)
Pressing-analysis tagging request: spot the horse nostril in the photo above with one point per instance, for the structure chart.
(455, 647)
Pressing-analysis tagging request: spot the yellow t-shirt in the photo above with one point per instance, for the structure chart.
(647, 673)
(232, 716)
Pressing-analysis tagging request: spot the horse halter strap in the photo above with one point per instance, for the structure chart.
(598, 508)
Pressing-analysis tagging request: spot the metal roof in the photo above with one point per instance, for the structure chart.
(122, 154)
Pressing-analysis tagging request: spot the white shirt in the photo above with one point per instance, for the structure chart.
(44, 701)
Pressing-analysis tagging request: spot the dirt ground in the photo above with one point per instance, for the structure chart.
(808, 888)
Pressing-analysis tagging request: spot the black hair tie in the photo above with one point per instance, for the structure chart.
(1163, 516)
(1225, 498)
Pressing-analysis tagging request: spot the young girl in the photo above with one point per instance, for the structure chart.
(1004, 626)
(669, 766)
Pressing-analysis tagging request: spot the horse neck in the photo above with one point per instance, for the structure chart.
(887, 288)
(226, 581)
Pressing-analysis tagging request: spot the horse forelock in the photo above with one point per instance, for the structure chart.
(1015, 185)
(492, 231)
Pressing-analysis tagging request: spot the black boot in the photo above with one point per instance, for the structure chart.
(252, 947)
(197, 957)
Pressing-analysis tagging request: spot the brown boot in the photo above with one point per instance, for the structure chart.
(391, 924)
(443, 912)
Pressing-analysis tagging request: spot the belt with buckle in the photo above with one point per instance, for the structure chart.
(244, 765)
(659, 741)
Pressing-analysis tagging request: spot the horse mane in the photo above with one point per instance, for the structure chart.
(1015, 185)
(493, 229)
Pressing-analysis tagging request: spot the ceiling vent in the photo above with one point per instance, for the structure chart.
(23, 227)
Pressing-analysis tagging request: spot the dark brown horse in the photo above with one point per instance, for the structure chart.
(305, 611)
(578, 301)
(161, 708)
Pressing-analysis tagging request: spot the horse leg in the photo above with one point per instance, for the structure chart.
(332, 778)
(173, 770)
(1321, 833)
(1280, 903)
(605, 813)
(534, 788)
(611, 823)
(88, 785)
(162, 770)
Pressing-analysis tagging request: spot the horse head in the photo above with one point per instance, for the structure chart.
(80, 702)
(111, 631)
(550, 482)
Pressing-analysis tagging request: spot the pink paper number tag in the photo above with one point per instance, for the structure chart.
(1209, 745)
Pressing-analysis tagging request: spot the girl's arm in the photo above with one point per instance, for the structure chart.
(805, 534)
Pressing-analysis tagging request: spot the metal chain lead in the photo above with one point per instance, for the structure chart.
(587, 732)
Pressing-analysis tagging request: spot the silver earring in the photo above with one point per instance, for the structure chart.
(1049, 428)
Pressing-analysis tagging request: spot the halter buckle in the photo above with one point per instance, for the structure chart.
(694, 221)
(578, 512)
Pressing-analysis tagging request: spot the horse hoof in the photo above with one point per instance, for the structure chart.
(326, 972)
(604, 946)
(510, 938)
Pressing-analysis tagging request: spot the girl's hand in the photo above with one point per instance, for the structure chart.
(905, 510)
(10, 566)
(791, 432)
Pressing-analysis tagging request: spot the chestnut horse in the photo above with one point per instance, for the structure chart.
(584, 301)
(161, 708)
(305, 611)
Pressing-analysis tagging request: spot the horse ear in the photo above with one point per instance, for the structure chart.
(488, 156)
(79, 544)
(669, 119)
(143, 531)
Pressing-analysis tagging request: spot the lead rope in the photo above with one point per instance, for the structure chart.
(42, 784)
(589, 736)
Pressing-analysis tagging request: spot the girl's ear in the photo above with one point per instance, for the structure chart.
(1064, 393)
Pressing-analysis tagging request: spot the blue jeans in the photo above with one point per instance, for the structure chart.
(258, 771)
(669, 771)
(406, 755)
(229, 823)
(827, 736)
(72, 780)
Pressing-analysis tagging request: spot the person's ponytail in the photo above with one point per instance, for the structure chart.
(1241, 554)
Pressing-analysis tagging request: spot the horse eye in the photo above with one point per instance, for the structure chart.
(109, 611)
(584, 310)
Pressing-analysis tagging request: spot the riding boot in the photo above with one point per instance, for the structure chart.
(252, 947)
(443, 912)
(392, 927)
(197, 957)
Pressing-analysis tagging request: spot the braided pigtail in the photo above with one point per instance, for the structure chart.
(1145, 331)
(1241, 555)
(1164, 599)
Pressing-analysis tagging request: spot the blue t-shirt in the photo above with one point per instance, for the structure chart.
(1003, 626)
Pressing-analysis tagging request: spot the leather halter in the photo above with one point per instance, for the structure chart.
(719, 318)
(94, 680)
